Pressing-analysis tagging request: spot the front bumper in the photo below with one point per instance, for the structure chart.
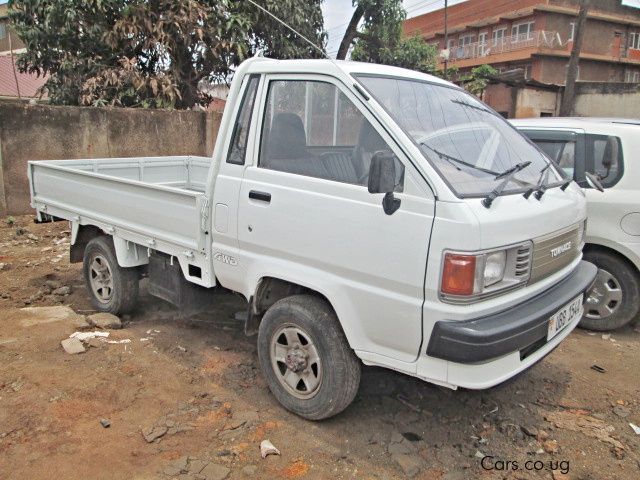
(522, 328)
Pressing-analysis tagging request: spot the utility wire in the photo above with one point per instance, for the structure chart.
(324, 54)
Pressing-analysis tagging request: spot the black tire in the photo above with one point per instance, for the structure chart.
(339, 366)
(624, 278)
(124, 292)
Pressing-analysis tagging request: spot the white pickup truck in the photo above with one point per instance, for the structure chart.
(368, 214)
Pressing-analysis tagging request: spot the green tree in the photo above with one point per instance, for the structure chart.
(476, 83)
(379, 37)
(153, 53)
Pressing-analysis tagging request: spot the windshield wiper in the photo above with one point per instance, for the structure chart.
(507, 175)
(453, 160)
(541, 184)
(470, 105)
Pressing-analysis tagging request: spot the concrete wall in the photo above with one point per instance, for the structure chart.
(592, 100)
(532, 102)
(608, 100)
(37, 132)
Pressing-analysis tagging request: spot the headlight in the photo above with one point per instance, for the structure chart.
(467, 277)
(494, 267)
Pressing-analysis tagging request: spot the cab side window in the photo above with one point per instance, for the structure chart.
(238, 147)
(311, 128)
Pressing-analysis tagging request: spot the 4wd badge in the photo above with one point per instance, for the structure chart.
(228, 259)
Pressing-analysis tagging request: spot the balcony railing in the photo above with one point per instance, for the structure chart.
(537, 39)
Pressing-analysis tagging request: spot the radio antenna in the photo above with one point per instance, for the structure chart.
(316, 47)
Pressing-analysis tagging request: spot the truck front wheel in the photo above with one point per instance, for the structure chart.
(113, 289)
(612, 302)
(305, 357)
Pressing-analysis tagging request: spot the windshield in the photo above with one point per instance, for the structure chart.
(467, 142)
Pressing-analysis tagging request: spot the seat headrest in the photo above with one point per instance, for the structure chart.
(287, 138)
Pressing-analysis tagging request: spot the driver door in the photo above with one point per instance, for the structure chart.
(306, 216)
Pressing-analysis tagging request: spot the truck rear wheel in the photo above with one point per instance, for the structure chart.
(613, 300)
(113, 289)
(305, 357)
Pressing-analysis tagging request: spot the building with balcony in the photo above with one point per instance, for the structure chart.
(535, 37)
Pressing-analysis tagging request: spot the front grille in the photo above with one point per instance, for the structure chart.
(523, 262)
(553, 252)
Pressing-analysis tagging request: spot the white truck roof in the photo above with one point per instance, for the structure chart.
(335, 67)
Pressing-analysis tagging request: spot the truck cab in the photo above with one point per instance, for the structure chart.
(369, 215)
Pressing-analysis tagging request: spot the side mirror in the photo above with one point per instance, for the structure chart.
(594, 181)
(382, 173)
(382, 179)
(610, 155)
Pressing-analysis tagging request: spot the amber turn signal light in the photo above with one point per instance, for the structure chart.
(458, 274)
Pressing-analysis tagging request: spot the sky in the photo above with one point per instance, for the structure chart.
(337, 14)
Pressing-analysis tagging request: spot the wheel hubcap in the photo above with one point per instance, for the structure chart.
(605, 296)
(295, 361)
(100, 279)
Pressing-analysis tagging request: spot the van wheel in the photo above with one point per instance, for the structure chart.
(113, 289)
(613, 300)
(305, 357)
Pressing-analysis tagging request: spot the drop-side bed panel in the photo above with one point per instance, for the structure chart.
(155, 215)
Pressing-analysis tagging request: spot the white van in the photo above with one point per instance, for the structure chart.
(605, 148)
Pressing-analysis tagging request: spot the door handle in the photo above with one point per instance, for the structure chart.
(261, 196)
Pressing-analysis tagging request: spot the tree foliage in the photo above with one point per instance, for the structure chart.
(380, 40)
(477, 81)
(153, 53)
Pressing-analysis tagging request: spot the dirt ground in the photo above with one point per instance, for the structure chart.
(194, 383)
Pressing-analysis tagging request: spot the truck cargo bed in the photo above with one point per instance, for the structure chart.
(156, 202)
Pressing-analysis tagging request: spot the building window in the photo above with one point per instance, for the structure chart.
(450, 44)
(572, 31)
(634, 40)
(522, 31)
(498, 35)
(465, 40)
(482, 43)
(3, 30)
(632, 76)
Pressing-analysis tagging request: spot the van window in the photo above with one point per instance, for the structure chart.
(595, 154)
(563, 152)
(238, 148)
(311, 128)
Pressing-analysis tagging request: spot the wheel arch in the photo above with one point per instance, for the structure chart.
(600, 248)
(268, 290)
(81, 235)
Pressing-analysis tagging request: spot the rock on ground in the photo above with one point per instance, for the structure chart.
(408, 463)
(214, 471)
(31, 316)
(72, 346)
(66, 290)
(104, 320)
(153, 433)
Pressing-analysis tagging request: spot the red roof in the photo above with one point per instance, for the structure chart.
(28, 83)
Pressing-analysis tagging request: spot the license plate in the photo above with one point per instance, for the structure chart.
(564, 317)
